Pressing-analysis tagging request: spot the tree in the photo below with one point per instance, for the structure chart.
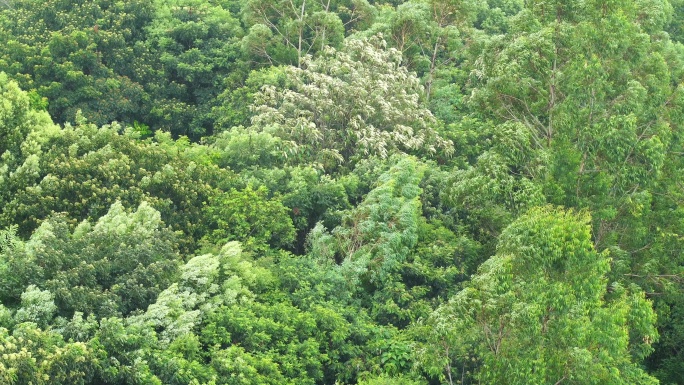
(33, 356)
(429, 34)
(676, 26)
(112, 267)
(397, 262)
(284, 32)
(80, 57)
(250, 217)
(603, 113)
(196, 44)
(494, 180)
(17, 118)
(346, 105)
(83, 169)
(540, 311)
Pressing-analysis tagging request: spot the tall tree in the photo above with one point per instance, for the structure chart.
(540, 311)
(80, 56)
(349, 104)
(196, 44)
(604, 111)
(286, 31)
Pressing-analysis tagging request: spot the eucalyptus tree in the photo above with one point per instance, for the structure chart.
(603, 111)
(542, 311)
(597, 86)
(429, 34)
(286, 31)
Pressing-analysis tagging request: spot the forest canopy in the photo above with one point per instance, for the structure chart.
(405, 192)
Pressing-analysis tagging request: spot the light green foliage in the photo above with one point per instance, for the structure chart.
(349, 104)
(115, 266)
(284, 32)
(205, 283)
(83, 169)
(22, 130)
(396, 261)
(341, 192)
(379, 233)
(145, 221)
(37, 306)
(241, 148)
(16, 118)
(538, 311)
(387, 380)
(32, 356)
(429, 34)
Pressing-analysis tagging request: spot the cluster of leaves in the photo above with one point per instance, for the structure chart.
(314, 192)
(347, 105)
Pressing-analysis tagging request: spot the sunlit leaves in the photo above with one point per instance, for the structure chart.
(539, 311)
(347, 105)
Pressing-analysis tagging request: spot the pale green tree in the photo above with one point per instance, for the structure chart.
(114, 266)
(30, 355)
(37, 306)
(348, 104)
(286, 31)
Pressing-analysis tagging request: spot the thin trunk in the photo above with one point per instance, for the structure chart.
(433, 64)
(552, 103)
(327, 7)
(448, 367)
(301, 32)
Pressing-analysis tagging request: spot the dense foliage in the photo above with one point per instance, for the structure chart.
(404, 192)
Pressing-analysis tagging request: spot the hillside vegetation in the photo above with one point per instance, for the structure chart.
(420, 192)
